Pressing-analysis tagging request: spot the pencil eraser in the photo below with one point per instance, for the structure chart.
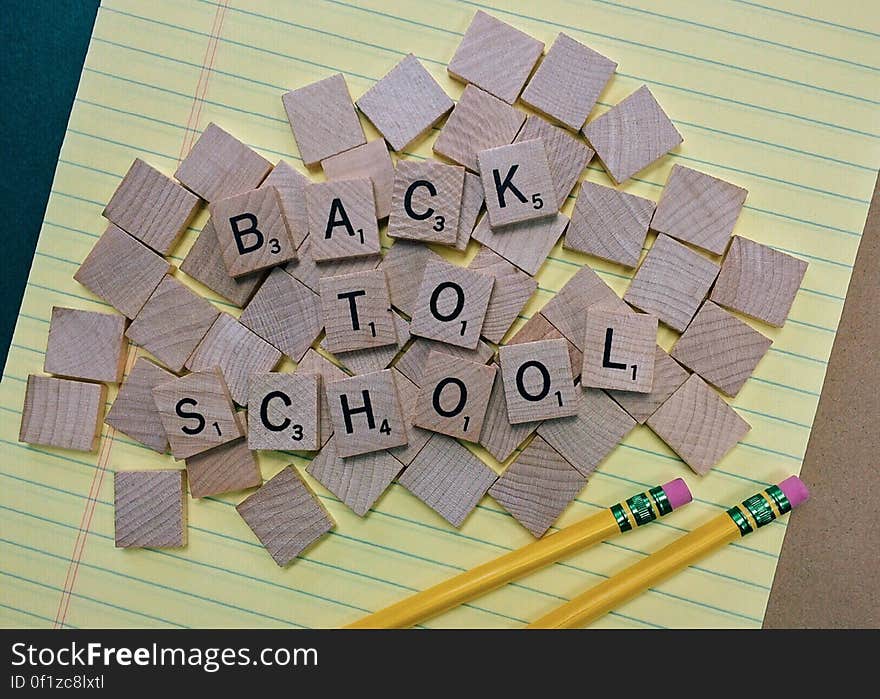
(794, 489)
(677, 493)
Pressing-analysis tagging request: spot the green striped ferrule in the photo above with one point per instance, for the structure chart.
(641, 509)
(759, 510)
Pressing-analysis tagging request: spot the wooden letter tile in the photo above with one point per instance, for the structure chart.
(61, 413)
(408, 395)
(291, 185)
(284, 412)
(225, 469)
(306, 270)
(539, 328)
(285, 516)
(671, 283)
(404, 264)
(524, 244)
(85, 345)
(150, 508)
(471, 203)
(314, 363)
(370, 160)
(151, 206)
(357, 311)
(451, 304)
(412, 362)
(538, 384)
(134, 413)
(758, 281)
(511, 291)
(498, 436)
(426, 201)
(632, 135)
(619, 350)
(342, 219)
(668, 376)
(517, 183)
(698, 425)
(366, 361)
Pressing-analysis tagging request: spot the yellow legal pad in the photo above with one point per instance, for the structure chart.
(781, 103)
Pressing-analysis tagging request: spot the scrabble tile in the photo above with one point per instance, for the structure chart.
(134, 413)
(524, 244)
(720, 348)
(699, 426)
(479, 121)
(668, 376)
(426, 201)
(510, 293)
(495, 56)
(314, 363)
(451, 304)
(252, 231)
(498, 436)
(537, 487)
(370, 160)
(699, 209)
(204, 263)
(758, 281)
(342, 219)
(122, 271)
(285, 516)
(453, 396)
(517, 183)
(587, 437)
(285, 313)
(632, 135)
(619, 350)
(197, 413)
(366, 361)
(404, 265)
(538, 384)
(291, 186)
(357, 311)
(150, 508)
(412, 362)
(405, 103)
(671, 283)
(151, 206)
(220, 166)
(225, 469)
(447, 478)
(365, 413)
(539, 328)
(471, 203)
(85, 345)
(61, 413)
(172, 322)
(237, 351)
(408, 395)
(283, 411)
(306, 270)
(568, 82)
(609, 224)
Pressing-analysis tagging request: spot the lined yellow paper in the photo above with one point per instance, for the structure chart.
(781, 103)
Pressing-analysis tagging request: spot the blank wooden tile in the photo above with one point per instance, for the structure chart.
(291, 185)
(151, 206)
(758, 281)
(668, 376)
(404, 264)
(61, 413)
(517, 183)
(510, 293)
(495, 57)
(408, 395)
(699, 209)
(609, 224)
(471, 203)
(85, 345)
(370, 160)
(342, 219)
(323, 119)
(699, 426)
(426, 202)
(479, 121)
(412, 362)
(285, 313)
(365, 413)
(451, 304)
(219, 166)
(539, 328)
(285, 515)
(498, 436)
(314, 363)
(671, 283)
(172, 322)
(453, 396)
(150, 508)
(122, 271)
(366, 361)
(537, 487)
(225, 469)
(447, 478)
(134, 413)
(568, 82)
(197, 413)
(306, 270)
(538, 384)
(619, 350)
(524, 244)
(632, 135)
(586, 438)
(720, 348)
(283, 411)
(357, 311)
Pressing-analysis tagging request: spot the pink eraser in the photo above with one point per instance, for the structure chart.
(794, 489)
(678, 493)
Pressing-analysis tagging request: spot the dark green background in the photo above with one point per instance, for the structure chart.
(44, 44)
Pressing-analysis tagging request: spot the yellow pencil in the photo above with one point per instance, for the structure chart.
(638, 510)
(753, 513)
